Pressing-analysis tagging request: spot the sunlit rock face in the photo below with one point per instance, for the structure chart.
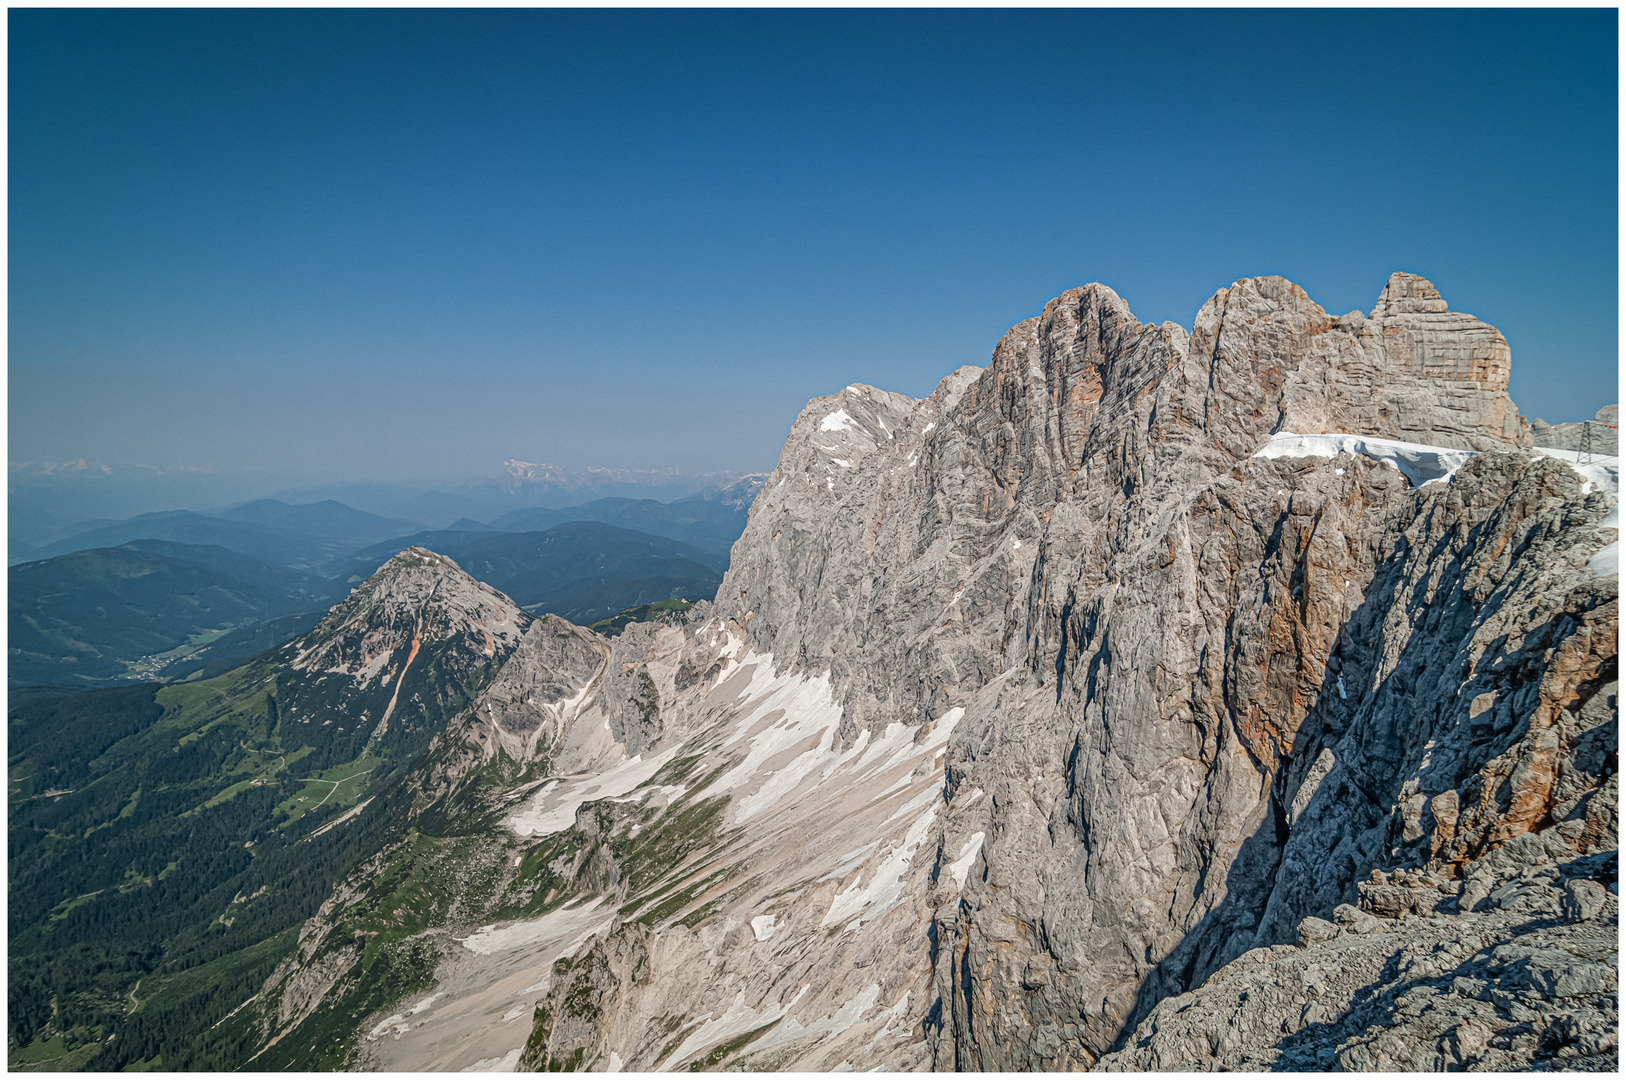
(389, 665)
(1031, 705)
(1147, 625)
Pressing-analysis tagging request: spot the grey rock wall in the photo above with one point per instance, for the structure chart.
(1036, 717)
(1529, 982)
(1605, 433)
(1086, 516)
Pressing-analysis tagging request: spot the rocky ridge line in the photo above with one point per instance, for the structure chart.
(1032, 707)
(1088, 514)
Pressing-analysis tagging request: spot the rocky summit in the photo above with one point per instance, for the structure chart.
(1239, 697)
(399, 656)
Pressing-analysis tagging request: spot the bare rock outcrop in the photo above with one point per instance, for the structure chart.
(1035, 717)
(1175, 623)
(398, 658)
(523, 714)
(1530, 982)
(1604, 433)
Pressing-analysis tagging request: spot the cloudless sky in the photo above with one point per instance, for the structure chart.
(404, 244)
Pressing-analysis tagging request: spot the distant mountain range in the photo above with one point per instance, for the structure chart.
(166, 595)
(51, 501)
(581, 570)
(44, 498)
(307, 537)
(712, 525)
(524, 486)
(323, 535)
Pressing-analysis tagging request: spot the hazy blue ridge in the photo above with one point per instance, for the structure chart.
(88, 615)
(711, 525)
(187, 527)
(329, 520)
(581, 570)
(307, 536)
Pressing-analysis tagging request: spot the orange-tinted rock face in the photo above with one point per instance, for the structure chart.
(1199, 639)
(1031, 704)
(1519, 791)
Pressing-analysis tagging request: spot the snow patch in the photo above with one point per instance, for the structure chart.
(838, 421)
(739, 1019)
(1421, 464)
(810, 714)
(762, 927)
(506, 1063)
(1600, 474)
(945, 727)
(913, 804)
(582, 922)
(385, 1024)
(1606, 561)
(860, 903)
(959, 868)
(553, 809)
(851, 861)
(898, 1012)
(845, 1017)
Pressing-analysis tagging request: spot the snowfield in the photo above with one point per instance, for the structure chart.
(1421, 464)
(1424, 464)
(1603, 473)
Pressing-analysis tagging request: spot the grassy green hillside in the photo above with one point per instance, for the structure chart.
(167, 841)
(164, 846)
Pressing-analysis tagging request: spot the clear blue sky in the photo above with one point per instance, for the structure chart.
(412, 244)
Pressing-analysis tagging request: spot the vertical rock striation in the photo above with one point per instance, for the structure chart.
(1173, 619)
(1026, 708)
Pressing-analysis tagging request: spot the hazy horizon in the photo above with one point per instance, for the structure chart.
(305, 247)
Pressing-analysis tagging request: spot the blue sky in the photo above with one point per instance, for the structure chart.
(323, 245)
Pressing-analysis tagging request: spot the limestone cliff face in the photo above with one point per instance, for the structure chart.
(519, 719)
(1171, 617)
(1028, 707)
(899, 526)
(1604, 433)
